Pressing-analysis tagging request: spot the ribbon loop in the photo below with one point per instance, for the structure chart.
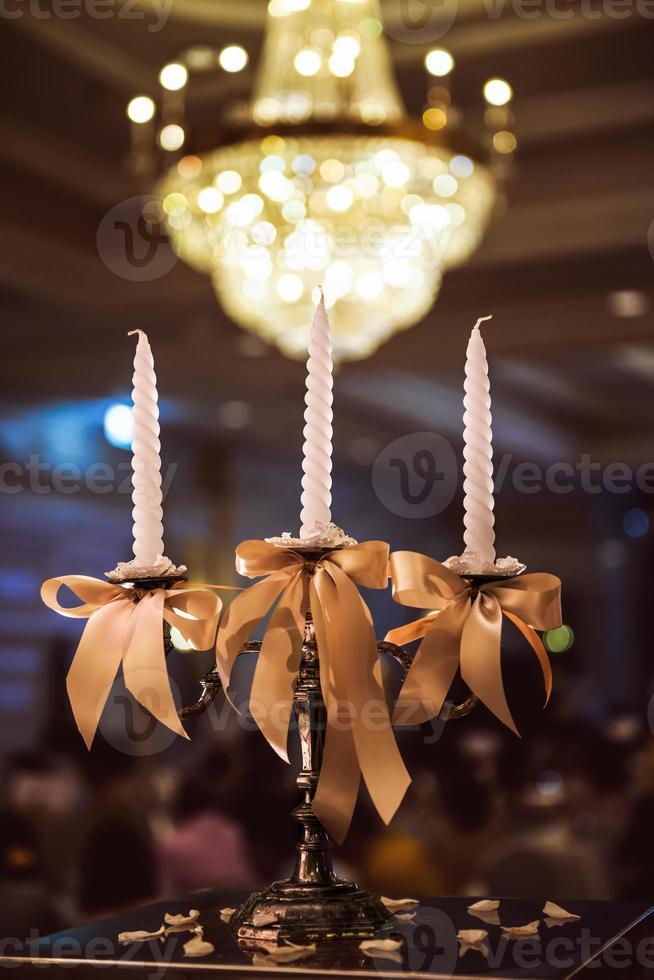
(465, 632)
(122, 630)
(349, 673)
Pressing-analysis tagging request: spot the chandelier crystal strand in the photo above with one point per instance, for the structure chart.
(147, 512)
(478, 502)
(317, 449)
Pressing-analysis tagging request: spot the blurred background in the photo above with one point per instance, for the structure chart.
(566, 271)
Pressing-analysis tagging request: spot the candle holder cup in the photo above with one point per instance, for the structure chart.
(141, 587)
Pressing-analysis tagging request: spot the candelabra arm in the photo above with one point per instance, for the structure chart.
(211, 685)
(449, 711)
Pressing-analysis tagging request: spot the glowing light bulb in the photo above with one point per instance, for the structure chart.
(504, 141)
(275, 185)
(140, 109)
(461, 166)
(340, 66)
(370, 285)
(119, 426)
(307, 62)
(210, 200)
(339, 198)
(233, 58)
(434, 118)
(497, 91)
(289, 287)
(396, 173)
(171, 137)
(173, 77)
(228, 181)
(439, 62)
(445, 185)
(347, 46)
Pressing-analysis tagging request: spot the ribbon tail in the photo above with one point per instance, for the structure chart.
(433, 668)
(411, 631)
(340, 776)
(95, 666)
(241, 619)
(481, 667)
(353, 652)
(537, 646)
(144, 663)
(271, 697)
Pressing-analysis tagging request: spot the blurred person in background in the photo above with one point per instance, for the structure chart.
(204, 846)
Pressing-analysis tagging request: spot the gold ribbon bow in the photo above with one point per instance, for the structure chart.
(465, 631)
(362, 744)
(120, 629)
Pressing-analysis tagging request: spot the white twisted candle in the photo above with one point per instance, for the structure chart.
(479, 535)
(317, 448)
(147, 512)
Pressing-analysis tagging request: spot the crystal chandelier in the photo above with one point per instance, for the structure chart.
(325, 181)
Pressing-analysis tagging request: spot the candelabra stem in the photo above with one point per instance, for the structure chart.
(313, 863)
(312, 904)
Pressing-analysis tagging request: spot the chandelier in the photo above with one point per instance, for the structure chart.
(323, 181)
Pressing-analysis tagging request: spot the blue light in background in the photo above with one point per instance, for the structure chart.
(636, 522)
(119, 426)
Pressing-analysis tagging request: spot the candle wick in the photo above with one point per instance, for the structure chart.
(130, 333)
(481, 320)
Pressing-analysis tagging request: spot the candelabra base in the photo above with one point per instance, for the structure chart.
(286, 912)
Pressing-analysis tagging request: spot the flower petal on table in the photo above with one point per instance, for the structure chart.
(521, 932)
(198, 946)
(140, 935)
(288, 953)
(399, 904)
(554, 911)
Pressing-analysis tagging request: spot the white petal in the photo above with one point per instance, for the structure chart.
(485, 905)
(282, 954)
(139, 936)
(555, 911)
(395, 904)
(521, 932)
(197, 946)
(182, 920)
(380, 945)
